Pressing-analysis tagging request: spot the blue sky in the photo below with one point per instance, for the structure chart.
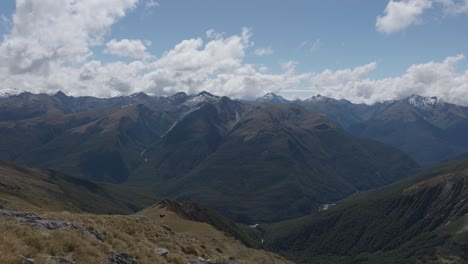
(337, 47)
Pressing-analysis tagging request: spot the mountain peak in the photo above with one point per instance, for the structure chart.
(8, 92)
(139, 95)
(202, 98)
(206, 94)
(60, 94)
(272, 98)
(423, 102)
(319, 98)
(178, 98)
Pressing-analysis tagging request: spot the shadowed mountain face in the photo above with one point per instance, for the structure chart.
(418, 220)
(252, 163)
(427, 128)
(281, 161)
(32, 189)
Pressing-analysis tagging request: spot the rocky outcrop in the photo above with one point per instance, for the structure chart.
(201, 260)
(161, 251)
(121, 258)
(37, 221)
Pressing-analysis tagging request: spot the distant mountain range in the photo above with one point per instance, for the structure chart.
(251, 162)
(427, 128)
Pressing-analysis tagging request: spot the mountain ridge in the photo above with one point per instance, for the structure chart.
(174, 148)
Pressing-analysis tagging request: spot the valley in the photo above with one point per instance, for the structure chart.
(311, 189)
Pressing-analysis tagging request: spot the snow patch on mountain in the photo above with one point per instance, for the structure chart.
(423, 102)
(8, 92)
(272, 98)
(201, 99)
(318, 98)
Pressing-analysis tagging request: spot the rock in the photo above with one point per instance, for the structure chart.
(61, 260)
(161, 251)
(168, 228)
(26, 260)
(201, 260)
(37, 221)
(120, 258)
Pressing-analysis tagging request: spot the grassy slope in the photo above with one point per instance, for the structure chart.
(194, 212)
(60, 197)
(43, 190)
(136, 235)
(417, 219)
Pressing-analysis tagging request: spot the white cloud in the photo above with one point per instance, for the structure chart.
(289, 66)
(151, 4)
(50, 45)
(402, 14)
(429, 79)
(4, 19)
(311, 46)
(128, 48)
(213, 34)
(264, 51)
(49, 31)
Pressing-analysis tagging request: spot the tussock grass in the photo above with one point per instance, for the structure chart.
(137, 236)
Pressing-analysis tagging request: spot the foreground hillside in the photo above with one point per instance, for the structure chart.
(88, 238)
(44, 218)
(419, 220)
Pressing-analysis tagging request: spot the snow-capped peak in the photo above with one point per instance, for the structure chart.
(201, 98)
(139, 95)
(272, 98)
(423, 102)
(8, 92)
(318, 98)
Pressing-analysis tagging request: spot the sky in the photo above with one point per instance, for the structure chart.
(364, 51)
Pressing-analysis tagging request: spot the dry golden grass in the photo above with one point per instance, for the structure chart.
(136, 235)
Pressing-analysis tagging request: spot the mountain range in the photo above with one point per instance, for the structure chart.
(427, 128)
(314, 179)
(244, 160)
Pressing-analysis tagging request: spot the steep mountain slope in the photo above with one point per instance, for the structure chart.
(98, 139)
(280, 162)
(342, 112)
(427, 128)
(105, 149)
(190, 140)
(41, 221)
(23, 188)
(240, 159)
(419, 220)
(192, 211)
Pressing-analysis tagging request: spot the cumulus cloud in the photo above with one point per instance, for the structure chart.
(151, 4)
(128, 48)
(311, 46)
(429, 79)
(50, 45)
(264, 51)
(49, 31)
(399, 15)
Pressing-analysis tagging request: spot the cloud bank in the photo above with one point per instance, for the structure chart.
(128, 48)
(399, 15)
(52, 47)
